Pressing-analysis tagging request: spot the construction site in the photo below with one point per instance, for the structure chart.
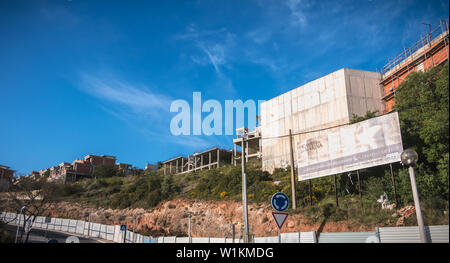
(326, 102)
(320, 104)
(430, 51)
(209, 159)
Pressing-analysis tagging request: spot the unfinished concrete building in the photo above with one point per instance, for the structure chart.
(323, 103)
(6, 177)
(78, 169)
(175, 165)
(253, 145)
(431, 50)
(209, 159)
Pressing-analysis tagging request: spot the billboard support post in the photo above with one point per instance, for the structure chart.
(393, 185)
(359, 188)
(335, 191)
(310, 192)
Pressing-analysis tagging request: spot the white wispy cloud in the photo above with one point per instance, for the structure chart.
(297, 13)
(216, 45)
(137, 98)
(216, 55)
(259, 35)
(215, 48)
(141, 108)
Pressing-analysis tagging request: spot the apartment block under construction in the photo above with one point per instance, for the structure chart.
(6, 177)
(335, 98)
(209, 159)
(430, 51)
(82, 168)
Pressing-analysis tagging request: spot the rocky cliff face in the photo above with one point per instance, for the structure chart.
(208, 218)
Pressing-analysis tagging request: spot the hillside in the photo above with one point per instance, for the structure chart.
(209, 218)
(214, 196)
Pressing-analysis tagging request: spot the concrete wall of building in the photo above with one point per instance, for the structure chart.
(6, 174)
(82, 168)
(100, 160)
(326, 102)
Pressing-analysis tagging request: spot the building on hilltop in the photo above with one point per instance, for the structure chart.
(334, 99)
(34, 175)
(431, 50)
(124, 168)
(323, 103)
(209, 159)
(43, 172)
(252, 147)
(151, 167)
(6, 177)
(100, 160)
(79, 169)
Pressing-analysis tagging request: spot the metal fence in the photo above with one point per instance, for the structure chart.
(80, 227)
(437, 234)
(349, 237)
(411, 234)
(300, 237)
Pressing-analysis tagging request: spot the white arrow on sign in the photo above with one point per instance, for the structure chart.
(280, 218)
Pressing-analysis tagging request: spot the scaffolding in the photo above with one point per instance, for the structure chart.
(426, 42)
(431, 50)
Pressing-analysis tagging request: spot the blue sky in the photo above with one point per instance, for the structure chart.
(98, 77)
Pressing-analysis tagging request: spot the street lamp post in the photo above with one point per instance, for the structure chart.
(18, 223)
(244, 189)
(409, 157)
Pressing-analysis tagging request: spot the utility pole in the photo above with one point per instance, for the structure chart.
(244, 190)
(294, 203)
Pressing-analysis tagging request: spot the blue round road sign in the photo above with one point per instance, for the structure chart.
(280, 202)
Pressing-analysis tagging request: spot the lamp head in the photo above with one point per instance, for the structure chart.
(409, 157)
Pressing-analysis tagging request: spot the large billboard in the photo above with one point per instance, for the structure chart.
(351, 147)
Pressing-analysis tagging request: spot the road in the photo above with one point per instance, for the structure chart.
(43, 236)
